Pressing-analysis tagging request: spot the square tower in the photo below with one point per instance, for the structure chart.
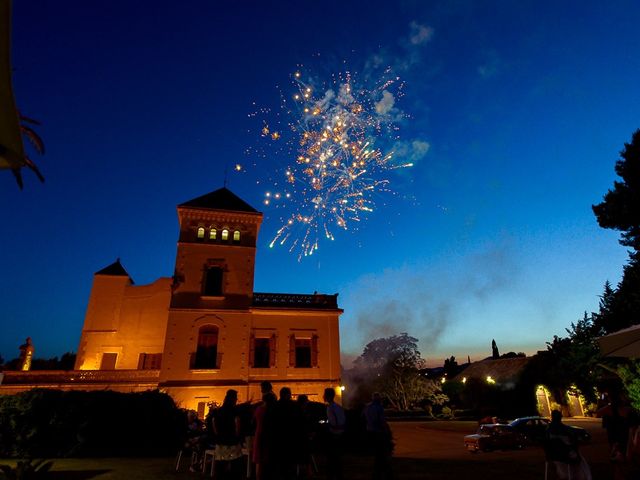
(215, 261)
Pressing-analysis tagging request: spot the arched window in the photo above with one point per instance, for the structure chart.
(213, 234)
(225, 234)
(236, 236)
(207, 349)
(200, 232)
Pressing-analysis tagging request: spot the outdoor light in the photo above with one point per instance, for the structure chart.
(490, 380)
(342, 388)
(464, 379)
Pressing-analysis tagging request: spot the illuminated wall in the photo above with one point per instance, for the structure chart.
(204, 330)
(125, 324)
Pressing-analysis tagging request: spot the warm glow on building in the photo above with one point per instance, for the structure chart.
(204, 330)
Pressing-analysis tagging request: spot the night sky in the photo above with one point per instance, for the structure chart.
(520, 110)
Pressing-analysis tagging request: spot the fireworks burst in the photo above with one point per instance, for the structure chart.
(333, 139)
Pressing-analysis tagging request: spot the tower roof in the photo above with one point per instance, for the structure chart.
(221, 199)
(115, 270)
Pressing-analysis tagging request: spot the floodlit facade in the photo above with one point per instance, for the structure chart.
(204, 330)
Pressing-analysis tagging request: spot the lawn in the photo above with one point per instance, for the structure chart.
(424, 450)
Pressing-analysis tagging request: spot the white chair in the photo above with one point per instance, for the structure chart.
(209, 453)
(194, 457)
(247, 450)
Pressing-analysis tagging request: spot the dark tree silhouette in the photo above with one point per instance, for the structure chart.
(620, 210)
(451, 367)
(494, 350)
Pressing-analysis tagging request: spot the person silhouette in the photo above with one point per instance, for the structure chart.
(336, 421)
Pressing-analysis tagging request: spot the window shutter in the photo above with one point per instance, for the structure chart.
(314, 351)
(252, 350)
(292, 350)
(141, 361)
(272, 350)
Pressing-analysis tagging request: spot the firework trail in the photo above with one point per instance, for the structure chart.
(333, 138)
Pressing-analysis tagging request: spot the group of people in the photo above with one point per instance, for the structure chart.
(623, 435)
(282, 435)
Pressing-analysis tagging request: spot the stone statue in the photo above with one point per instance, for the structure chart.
(26, 355)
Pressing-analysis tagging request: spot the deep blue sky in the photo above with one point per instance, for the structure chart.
(525, 106)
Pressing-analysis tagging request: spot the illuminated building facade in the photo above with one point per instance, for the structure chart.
(204, 330)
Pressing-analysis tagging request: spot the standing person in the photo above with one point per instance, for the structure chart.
(307, 431)
(616, 419)
(226, 427)
(561, 449)
(286, 436)
(261, 445)
(336, 421)
(379, 438)
(266, 387)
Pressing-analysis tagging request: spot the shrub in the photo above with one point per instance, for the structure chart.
(54, 423)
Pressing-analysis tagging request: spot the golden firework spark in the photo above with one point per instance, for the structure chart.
(337, 167)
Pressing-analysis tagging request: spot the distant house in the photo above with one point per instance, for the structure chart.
(507, 375)
(204, 330)
(501, 371)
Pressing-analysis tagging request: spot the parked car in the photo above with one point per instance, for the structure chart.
(493, 436)
(532, 429)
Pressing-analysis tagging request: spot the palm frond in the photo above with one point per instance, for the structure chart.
(29, 163)
(29, 120)
(34, 138)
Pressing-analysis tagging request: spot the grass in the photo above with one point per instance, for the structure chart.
(437, 444)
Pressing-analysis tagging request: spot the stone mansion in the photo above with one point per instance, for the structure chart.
(204, 330)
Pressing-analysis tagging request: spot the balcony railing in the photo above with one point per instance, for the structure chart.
(292, 300)
(80, 376)
(203, 363)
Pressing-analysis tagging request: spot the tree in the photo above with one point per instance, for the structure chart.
(495, 353)
(569, 361)
(400, 350)
(620, 210)
(450, 367)
(392, 366)
(630, 375)
(605, 309)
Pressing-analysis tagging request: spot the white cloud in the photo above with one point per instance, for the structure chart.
(420, 33)
(385, 105)
(412, 151)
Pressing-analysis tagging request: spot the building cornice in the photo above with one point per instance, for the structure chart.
(186, 213)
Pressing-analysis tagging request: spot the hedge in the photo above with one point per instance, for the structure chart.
(54, 423)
